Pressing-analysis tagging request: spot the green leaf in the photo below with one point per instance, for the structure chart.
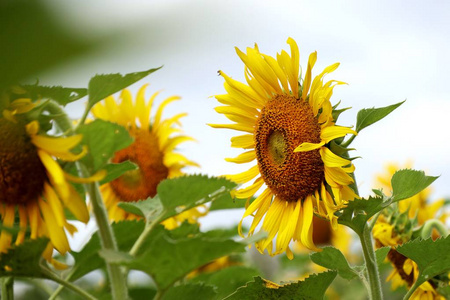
(311, 288)
(430, 256)
(141, 293)
(228, 202)
(227, 280)
(407, 183)
(359, 211)
(167, 257)
(102, 86)
(24, 259)
(150, 208)
(381, 254)
(116, 170)
(368, 116)
(180, 194)
(190, 291)
(192, 191)
(103, 139)
(88, 259)
(333, 259)
(62, 95)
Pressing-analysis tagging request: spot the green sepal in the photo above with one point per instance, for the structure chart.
(368, 116)
(381, 254)
(313, 287)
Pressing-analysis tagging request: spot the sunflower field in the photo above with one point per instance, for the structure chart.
(106, 194)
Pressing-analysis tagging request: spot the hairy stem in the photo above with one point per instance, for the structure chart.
(67, 284)
(117, 277)
(373, 275)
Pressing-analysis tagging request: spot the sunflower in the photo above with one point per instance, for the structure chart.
(153, 151)
(288, 128)
(392, 229)
(34, 188)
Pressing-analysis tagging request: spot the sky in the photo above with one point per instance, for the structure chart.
(389, 51)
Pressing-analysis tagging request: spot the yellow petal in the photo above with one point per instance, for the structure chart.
(245, 141)
(96, 177)
(57, 145)
(307, 228)
(8, 221)
(239, 127)
(248, 191)
(55, 204)
(333, 132)
(308, 147)
(55, 173)
(160, 110)
(243, 157)
(55, 232)
(307, 81)
(244, 176)
(332, 160)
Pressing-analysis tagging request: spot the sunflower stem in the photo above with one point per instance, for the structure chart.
(118, 280)
(67, 284)
(375, 292)
(140, 241)
(107, 239)
(8, 288)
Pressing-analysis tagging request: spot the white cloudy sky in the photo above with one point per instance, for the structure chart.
(389, 51)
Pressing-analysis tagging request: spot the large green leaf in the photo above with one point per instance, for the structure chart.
(88, 260)
(227, 280)
(62, 95)
(311, 288)
(167, 257)
(23, 260)
(102, 86)
(333, 259)
(368, 116)
(430, 256)
(407, 183)
(180, 194)
(103, 139)
(190, 291)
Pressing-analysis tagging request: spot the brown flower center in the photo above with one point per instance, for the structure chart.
(22, 174)
(140, 183)
(285, 123)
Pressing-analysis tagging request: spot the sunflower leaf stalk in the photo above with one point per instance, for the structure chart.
(117, 277)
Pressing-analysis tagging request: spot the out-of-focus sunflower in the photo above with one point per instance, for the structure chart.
(153, 151)
(391, 229)
(34, 190)
(288, 128)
